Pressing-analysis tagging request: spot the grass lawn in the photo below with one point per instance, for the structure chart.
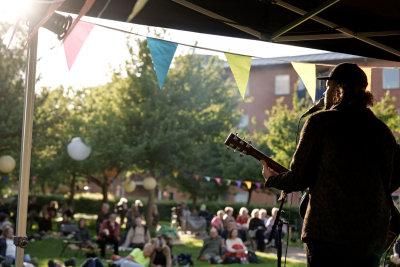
(49, 249)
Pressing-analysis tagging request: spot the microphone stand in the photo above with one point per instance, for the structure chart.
(278, 223)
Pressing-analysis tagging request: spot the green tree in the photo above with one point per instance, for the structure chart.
(387, 112)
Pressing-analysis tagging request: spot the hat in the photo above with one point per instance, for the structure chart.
(203, 207)
(347, 73)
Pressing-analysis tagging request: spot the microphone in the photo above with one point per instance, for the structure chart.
(318, 106)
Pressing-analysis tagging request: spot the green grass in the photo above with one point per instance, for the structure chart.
(49, 249)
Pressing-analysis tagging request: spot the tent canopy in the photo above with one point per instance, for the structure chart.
(378, 23)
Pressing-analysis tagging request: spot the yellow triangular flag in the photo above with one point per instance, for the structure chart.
(248, 184)
(175, 174)
(307, 73)
(136, 9)
(240, 67)
(368, 72)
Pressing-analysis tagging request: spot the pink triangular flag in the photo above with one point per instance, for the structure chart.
(15, 29)
(74, 42)
(218, 180)
(258, 185)
(53, 7)
(197, 177)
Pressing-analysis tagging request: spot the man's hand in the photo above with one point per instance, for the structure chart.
(267, 172)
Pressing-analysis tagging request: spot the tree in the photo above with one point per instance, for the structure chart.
(387, 112)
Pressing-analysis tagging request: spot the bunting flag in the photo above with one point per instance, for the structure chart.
(15, 29)
(175, 174)
(240, 67)
(218, 180)
(368, 72)
(113, 181)
(73, 44)
(86, 7)
(239, 183)
(258, 185)
(53, 7)
(162, 53)
(136, 9)
(5, 179)
(207, 178)
(163, 172)
(186, 175)
(13, 178)
(228, 181)
(123, 179)
(248, 184)
(307, 73)
(197, 177)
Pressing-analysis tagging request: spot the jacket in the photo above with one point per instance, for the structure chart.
(210, 246)
(113, 233)
(131, 234)
(346, 156)
(83, 235)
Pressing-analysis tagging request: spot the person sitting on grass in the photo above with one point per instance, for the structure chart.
(257, 226)
(139, 258)
(211, 248)
(83, 235)
(3, 218)
(108, 234)
(7, 247)
(161, 256)
(270, 223)
(228, 216)
(65, 221)
(235, 247)
(52, 210)
(137, 236)
(45, 225)
(103, 215)
(92, 262)
(225, 234)
(243, 218)
(33, 211)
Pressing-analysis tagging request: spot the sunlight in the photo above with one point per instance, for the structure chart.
(10, 10)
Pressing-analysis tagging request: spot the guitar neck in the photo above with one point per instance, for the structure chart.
(270, 162)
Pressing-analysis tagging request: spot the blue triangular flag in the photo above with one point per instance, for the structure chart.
(162, 53)
(207, 178)
(163, 172)
(239, 183)
(5, 179)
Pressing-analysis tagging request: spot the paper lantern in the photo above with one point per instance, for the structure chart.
(78, 150)
(129, 186)
(149, 183)
(111, 173)
(7, 164)
(63, 189)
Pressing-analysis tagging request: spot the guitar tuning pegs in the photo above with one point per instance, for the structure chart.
(249, 144)
(236, 137)
(241, 142)
(241, 154)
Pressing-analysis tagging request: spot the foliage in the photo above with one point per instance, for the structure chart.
(387, 112)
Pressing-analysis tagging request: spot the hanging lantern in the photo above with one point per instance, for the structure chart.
(7, 164)
(111, 173)
(149, 183)
(78, 150)
(129, 186)
(63, 189)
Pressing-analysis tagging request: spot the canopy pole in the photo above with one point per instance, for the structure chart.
(27, 125)
(303, 18)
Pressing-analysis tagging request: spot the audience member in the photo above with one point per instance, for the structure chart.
(269, 225)
(228, 216)
(52, 210)
(205, 214)
(64, 221)
(7, 247)
(235, 247)
(182, 212)
(83, 235)
(257, 226)
(194, 213)
(93, 262)
(263, 215)
(33, 211)
(121, 209)
(66, 208)
(161, 256)
(133, 213)
(211, 247)
(243, 218)
(4, 218)
(138, 235)
(217, 221)
(225, 233)
(139, 207)
(108, 234)
(5, 262)
(156, 216)
(3, 208)
(45, 225)
(103, 215)
(139, 258)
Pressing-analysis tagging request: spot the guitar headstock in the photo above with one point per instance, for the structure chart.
(239, 144)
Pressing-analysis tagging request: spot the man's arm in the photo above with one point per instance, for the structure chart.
(130, 258)
(205, 244)
(303, 166)
(395, 181)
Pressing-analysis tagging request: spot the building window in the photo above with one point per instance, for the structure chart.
(282, 84)
(321, 84)
(247, 93)
(301, 86)
(244, 122)
(241, 197)
(390, 78)
(398, 113)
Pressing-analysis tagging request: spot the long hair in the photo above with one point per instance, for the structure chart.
(230, 233)
(354, 93)
(160, 242)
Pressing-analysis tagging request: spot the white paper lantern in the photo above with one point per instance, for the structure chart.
(7, 164)
(149, 183)
(78, 150)
(63, 189)
(129, 186)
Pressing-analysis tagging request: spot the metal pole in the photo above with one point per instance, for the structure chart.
(26, 145)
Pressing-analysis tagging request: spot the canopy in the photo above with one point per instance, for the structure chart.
(359, 27)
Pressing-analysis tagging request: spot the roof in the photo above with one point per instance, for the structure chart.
(314, 58)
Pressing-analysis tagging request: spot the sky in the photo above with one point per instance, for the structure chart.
(105, 48)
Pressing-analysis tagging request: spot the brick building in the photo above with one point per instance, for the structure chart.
(271, 79)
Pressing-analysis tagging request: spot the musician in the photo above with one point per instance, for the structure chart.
(350, 161)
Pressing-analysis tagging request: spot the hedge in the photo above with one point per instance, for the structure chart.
(91, 206)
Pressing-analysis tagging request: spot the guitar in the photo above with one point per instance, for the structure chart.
(245, 148)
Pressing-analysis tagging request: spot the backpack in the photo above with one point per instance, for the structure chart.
(231, 260)
(252, 256)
